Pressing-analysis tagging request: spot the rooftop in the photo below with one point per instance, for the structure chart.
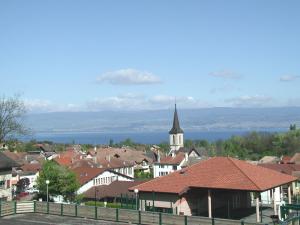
(115, 189)
(218, 173)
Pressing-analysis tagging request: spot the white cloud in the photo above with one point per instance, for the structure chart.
(224, 89)
(40, 106)
(225, 74)
(129, 77)
(286, 78)
(251, 101)
(140, 102)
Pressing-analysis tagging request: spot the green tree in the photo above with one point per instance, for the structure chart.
(61, 181)
(293, 127)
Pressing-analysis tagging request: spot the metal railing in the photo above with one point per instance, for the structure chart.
(112, 214)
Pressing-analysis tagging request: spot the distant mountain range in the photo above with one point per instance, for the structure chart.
(209, 119)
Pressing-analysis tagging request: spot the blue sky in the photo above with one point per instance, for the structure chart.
(98, 55)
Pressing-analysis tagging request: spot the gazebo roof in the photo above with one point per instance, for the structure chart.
(218, 173)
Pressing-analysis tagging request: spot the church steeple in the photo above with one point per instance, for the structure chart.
(176, 127)
(176, 134)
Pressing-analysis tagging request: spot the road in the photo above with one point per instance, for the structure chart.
(43, 219)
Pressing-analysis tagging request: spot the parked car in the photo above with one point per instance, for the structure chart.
(32, 191)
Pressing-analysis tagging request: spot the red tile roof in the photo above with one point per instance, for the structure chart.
(176, 160)
(115, 189)
(66, 158)
(85, 174)
(218, 173)
(286, 159)
(31, 167)
(283, 168)
(114, 163)
(63, 160)
(295, 158)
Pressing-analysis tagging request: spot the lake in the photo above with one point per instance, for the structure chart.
(142, 137)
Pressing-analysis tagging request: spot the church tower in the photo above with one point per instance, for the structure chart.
(176, 134)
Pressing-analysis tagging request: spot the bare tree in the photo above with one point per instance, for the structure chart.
(12, 110)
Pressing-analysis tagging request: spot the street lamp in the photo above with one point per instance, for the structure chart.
(136, 191)
(47, 183)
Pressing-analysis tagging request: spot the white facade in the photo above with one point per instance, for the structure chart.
(32, 179)
(104, 178)
(176, 141)
(267, 196)
(5, 185)
(162, 169)
(127, 171)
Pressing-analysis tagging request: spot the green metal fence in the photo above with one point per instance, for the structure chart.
(289, 211)
(292, 221)
(112, 214)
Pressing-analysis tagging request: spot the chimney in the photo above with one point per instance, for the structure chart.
(186, 157)
(158, 156)
(173, 154)
(95, 148)
(95, 159)
(108, 158)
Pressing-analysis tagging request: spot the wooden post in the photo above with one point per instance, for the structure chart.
(153, 208)
(289, 194)
(34, 206)
(209, 204)
(117, 215)
(160, 219)
(76, 210)
(257, 208)
(140, 217)
(61, 209)
(15, 207)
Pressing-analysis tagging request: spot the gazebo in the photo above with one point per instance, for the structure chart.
(217, 184)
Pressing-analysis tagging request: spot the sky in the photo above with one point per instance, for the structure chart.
(66, 55)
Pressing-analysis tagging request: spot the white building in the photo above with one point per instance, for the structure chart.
(179, 156)
(90, 177)
(6, 165)
(176, 134)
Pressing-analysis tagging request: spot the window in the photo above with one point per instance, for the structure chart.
(2, 184)
(174, 140)
(174, 167)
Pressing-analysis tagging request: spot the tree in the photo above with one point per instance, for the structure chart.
(12, 110)
(22, 184)
(293, 127)
(62, 181)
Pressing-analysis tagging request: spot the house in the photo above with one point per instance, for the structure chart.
(269, 159)
(111, 192)
(179, 156)
(138, 159)
(295, 159)
(169, 164)
(285, 159)
(68, 157)
(90, 177)
(210, 188)
(6, 166)
(281, 192)
(120, 166)
(30, 171)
